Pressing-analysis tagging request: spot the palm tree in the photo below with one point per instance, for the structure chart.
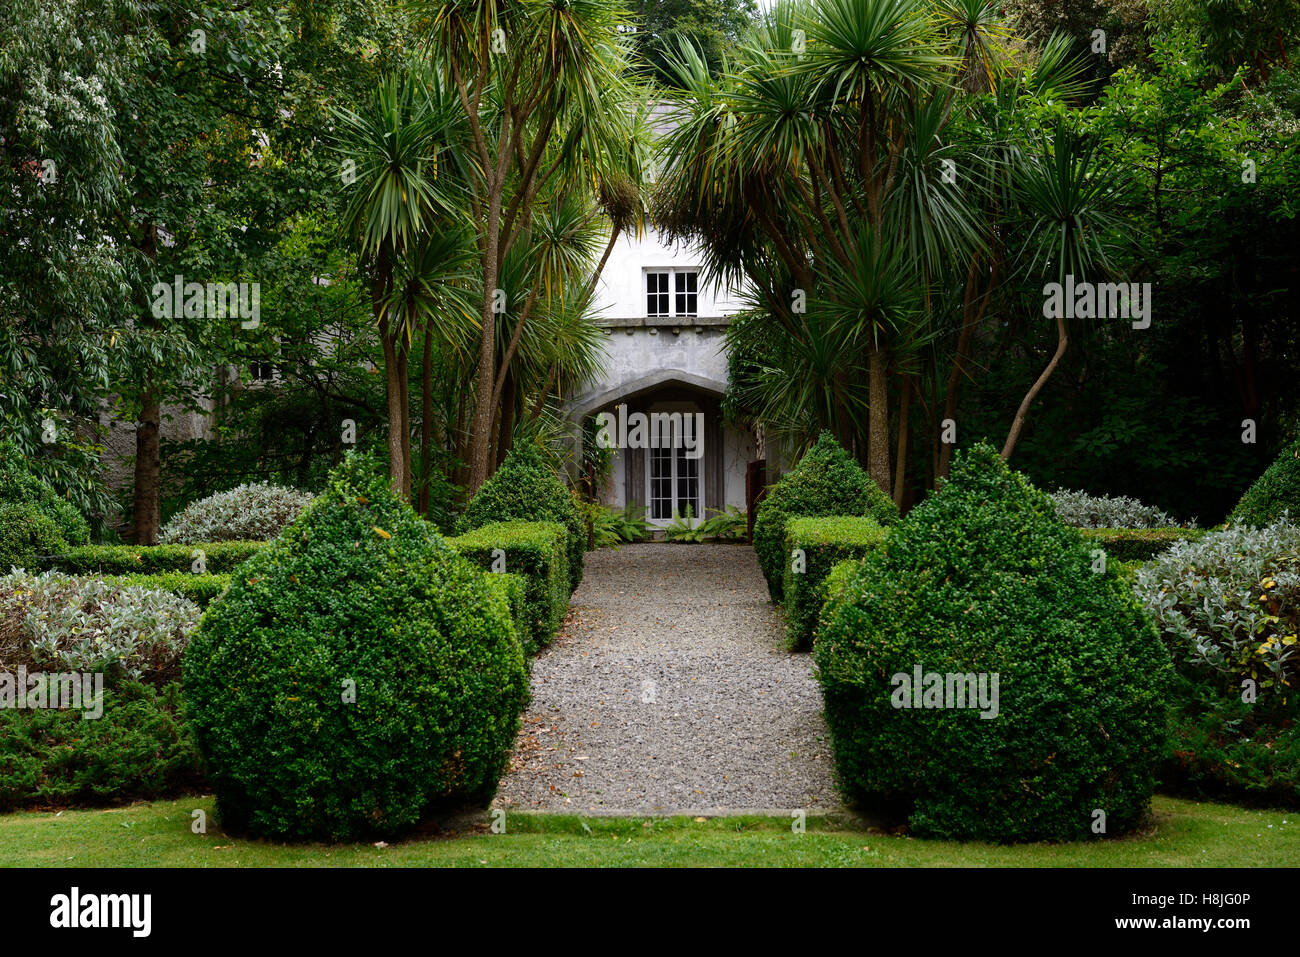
(394, 149)
(542, 90)
(811, 159)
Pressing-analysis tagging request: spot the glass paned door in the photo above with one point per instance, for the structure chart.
(674, 484)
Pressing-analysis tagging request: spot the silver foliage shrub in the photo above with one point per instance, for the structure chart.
(1228, 605)
(59, 622)
(1109, 511)
(253, 512)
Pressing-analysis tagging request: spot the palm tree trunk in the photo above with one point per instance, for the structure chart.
(404, 387)
(1018, 422)
(393, 388)
(506, 436)
(900, 469)
(878, 419)
(426, 420)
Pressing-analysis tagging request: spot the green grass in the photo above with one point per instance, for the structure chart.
(1183, 833)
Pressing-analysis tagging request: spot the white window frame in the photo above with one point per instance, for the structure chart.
(672, 273)
(686, 408)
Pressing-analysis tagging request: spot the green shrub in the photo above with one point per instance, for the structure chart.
(981, 579)
(513, 588)
(535, 550)
(57, 622)
(825, 482)
(218, 558)
(140, 748)
(200, 589)
(814, 546)
(525, 489)
(34, 521)
(357, 674)
(253, 512)
(1224, 748)
(1138, 544)
(838, 578)
(1274, 492)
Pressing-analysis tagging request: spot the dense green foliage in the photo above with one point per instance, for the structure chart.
(815, 545)
(525, 489)
(1273, 493)
(982, 580)
(538, 551)
(357, 673)
(34, 521)
(139, 749)
(218, 557)
(1138, 544)
(1223, 747)
(825, 482)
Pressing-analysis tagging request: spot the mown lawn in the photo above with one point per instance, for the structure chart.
(1184, 833)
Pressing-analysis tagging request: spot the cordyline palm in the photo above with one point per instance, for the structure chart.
(541, 88)
(1065, 195)
(547, 270)
(400, 196)
(807, 153)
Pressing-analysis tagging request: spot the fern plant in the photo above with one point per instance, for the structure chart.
(683, 528)
(727, 525)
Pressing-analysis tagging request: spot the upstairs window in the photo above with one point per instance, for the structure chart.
(684, 298)
(687, 294)
(656, 294)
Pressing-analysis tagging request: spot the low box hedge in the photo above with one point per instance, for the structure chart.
(538, 552)
(823, 543)
(514, 588)
(218, 557)
(1138, 544)
(200, 589)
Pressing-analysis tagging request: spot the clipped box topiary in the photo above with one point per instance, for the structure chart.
(982, 580)
(1274, 492)
(357, 673)
(525, 489)
(825, 482)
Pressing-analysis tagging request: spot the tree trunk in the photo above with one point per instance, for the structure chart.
(878, 419)
(904, 424)
(481, 440)
(393, 383)
(1062, 340)
(506, 436)
(426, 421)
(148, 471)
(404, 393)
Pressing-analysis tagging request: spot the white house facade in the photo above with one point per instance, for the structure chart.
(665, 354)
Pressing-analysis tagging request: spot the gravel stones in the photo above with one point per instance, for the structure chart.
(669, 691)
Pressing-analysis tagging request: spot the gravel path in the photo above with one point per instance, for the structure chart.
(669, 691)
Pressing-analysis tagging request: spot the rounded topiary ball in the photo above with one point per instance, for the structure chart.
(1274, 492)
(525, 489)
(981, 579)
(825, 482)
(357, 673)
